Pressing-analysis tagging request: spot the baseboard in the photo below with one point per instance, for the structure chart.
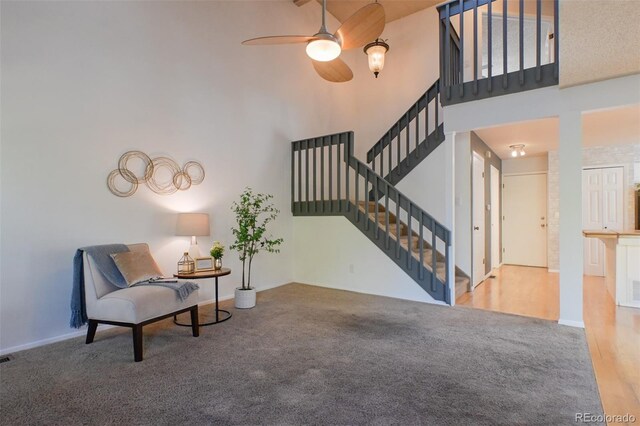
(48, 341)
(83, 331)
(553, 270)
(570, 323)
(333, 287)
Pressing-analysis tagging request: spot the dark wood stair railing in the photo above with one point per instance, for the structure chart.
(407, 234)
(417, 133)
(509, 79)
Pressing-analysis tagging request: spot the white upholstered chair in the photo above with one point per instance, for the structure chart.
(131, 307)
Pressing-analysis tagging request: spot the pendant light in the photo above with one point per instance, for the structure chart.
(376, 51)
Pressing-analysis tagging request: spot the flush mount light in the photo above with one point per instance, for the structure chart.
(517, 150)
(376, 51)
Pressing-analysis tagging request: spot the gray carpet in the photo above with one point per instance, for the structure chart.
(309, 355)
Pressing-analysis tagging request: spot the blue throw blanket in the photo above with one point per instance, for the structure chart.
(107, 267)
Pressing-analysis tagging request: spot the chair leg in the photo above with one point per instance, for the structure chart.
(195, 327)
(91, 330)
(137, 342)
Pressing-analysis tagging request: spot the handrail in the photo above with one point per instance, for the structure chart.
(403, 123)
(306, 202)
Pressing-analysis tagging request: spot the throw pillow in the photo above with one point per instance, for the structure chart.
(136, 266)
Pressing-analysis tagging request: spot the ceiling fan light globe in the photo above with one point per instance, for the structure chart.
(514, 153)
(323, 50)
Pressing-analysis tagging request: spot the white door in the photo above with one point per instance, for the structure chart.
(602, 209)
(478, 219)
(524, 220)
(495, 217)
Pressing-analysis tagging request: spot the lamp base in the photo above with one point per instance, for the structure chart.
(194, 251)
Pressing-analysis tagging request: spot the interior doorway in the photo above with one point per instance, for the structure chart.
(524, 219)
(495, 217)
(602, 209)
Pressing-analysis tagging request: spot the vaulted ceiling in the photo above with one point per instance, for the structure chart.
(394, 9)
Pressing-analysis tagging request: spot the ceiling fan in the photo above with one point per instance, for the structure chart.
(324, 48)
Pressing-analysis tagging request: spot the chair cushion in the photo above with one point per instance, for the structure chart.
(137, 304)
(136, 266)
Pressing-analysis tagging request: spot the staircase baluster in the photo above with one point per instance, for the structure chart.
(538, 38)
(461, 52)
(386, 218)
(556, 40)
(447, 53)
(367, 213)
(293, 174)
(357, 190)
(489, 48)
(421, 248)
(406, 133)
(315, 173)
(434, 259)
(338, 167)
(397, 224)
(505, 67)
(475, 46)
(390, 159)
(347, 152)
(417, 128)
(306, 169)
(409, 231)
(521, 36)
(322, 178)
(330, 176)
(375, 205)
(299, 175)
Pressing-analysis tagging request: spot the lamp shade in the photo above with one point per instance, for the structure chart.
(193, 224)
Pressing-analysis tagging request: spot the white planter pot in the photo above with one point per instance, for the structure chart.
(245, 299)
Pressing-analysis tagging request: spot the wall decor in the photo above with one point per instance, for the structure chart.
(162, 175)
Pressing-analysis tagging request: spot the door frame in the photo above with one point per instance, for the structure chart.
(475, 281)
(541, 172)
(497, 209)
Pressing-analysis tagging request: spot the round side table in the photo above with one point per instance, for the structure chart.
(202, 275)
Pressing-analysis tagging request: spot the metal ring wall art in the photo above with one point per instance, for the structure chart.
(162, 175)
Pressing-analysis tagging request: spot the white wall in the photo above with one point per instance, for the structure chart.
(331, 252)
(411, 67)
(83, 82)
(525, 165)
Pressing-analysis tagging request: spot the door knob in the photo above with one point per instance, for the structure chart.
(476, 228)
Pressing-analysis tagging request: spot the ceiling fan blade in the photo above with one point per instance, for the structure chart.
(336, 71)
(362, 27)
(287, 39)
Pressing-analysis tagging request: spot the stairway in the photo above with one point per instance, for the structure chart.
(327, 180)
(461, 279)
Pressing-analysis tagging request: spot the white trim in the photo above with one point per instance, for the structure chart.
(553, 270)
(83, 332)
(570, 323)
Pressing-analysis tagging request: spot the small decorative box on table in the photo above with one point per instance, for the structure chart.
(202, 275)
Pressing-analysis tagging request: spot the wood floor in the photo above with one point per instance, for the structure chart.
(613, 332)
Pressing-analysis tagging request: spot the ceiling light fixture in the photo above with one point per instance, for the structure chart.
(517, 150)
(376, 51)
(324, 48)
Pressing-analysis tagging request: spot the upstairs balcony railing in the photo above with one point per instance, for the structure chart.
(496, 47)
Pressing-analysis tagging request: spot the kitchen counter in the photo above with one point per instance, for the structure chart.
(622, 264)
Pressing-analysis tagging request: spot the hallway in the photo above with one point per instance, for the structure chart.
(613, 332)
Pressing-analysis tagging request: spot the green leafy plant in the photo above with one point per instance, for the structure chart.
(217, 250)
(253, 213)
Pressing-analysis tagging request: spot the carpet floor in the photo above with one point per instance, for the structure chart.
(311, 355)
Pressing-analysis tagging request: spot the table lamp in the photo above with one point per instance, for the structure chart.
(193, 225)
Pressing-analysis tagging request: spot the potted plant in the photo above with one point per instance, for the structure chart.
(253, 213)
(217, 251)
